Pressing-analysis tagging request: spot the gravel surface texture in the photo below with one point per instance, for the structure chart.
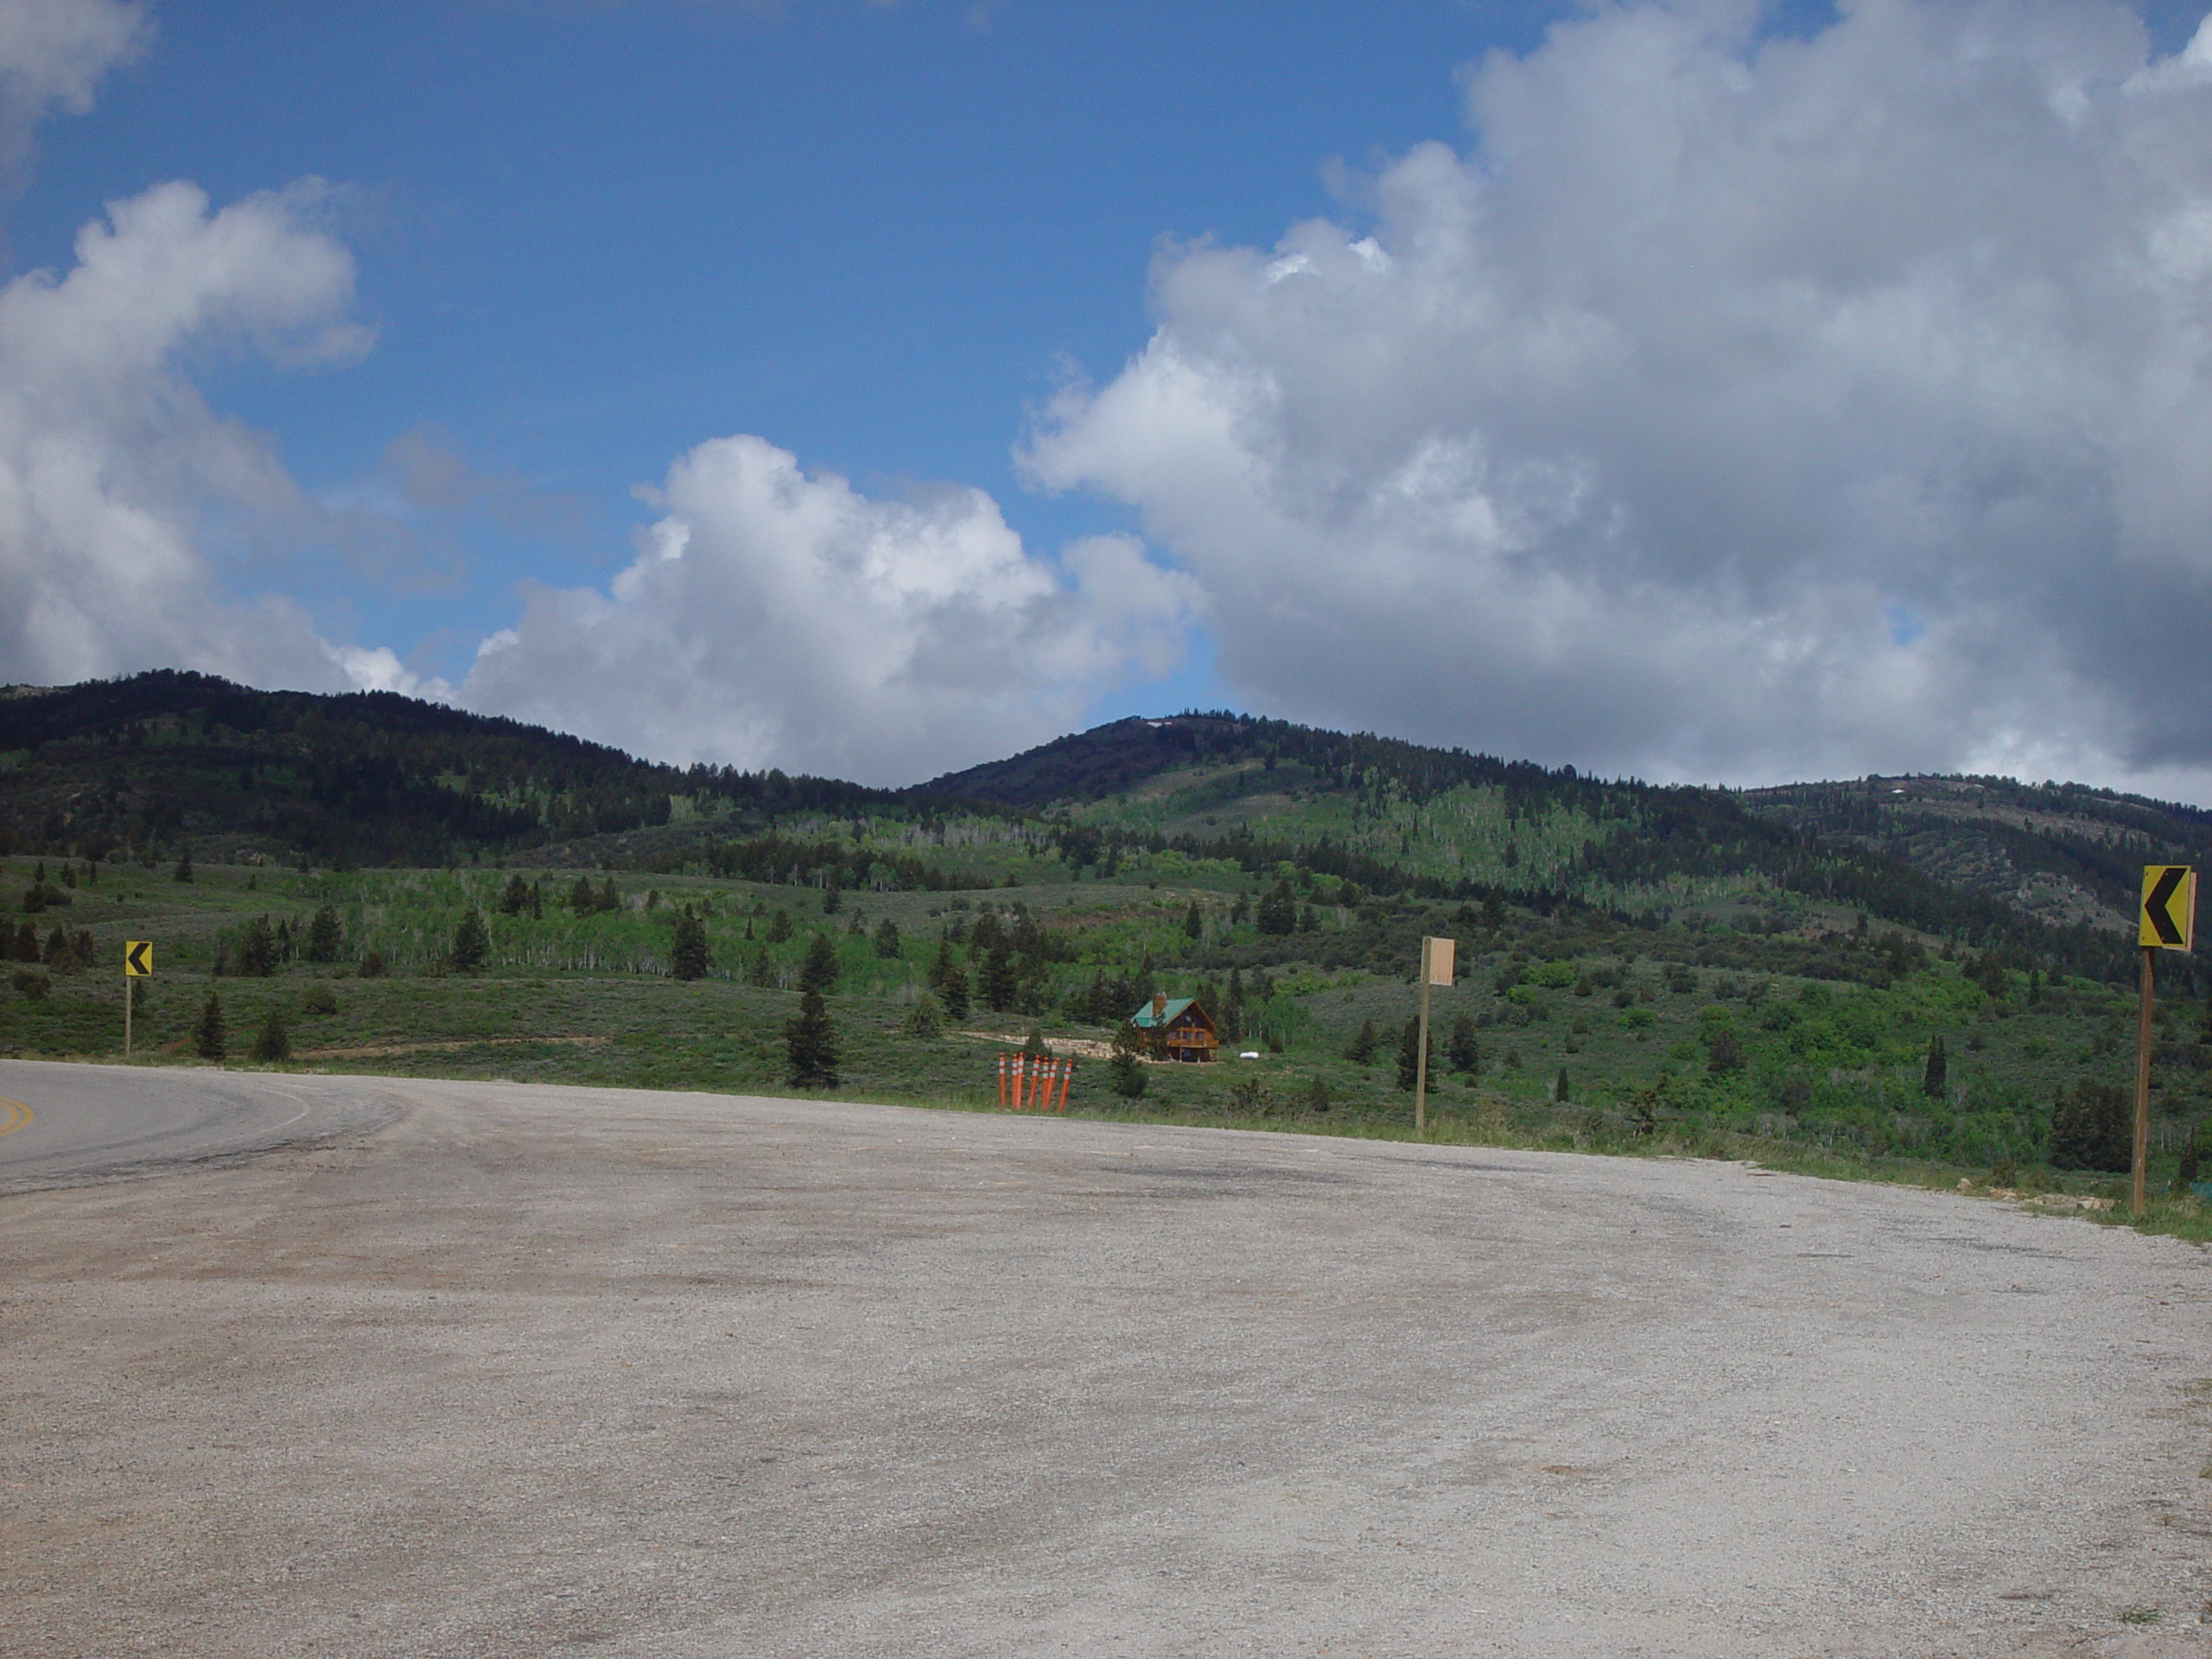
(530, 1370)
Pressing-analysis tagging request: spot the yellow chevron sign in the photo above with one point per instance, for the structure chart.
(138, 958)
(2168, 921)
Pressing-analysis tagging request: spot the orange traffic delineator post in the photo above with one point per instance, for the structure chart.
(1033, 1083)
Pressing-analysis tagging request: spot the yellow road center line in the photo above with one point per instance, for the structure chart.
(13, 1114)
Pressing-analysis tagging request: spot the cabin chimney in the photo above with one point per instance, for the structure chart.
(1159, 1007)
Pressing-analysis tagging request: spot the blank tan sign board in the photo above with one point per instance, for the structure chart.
(1439, 958)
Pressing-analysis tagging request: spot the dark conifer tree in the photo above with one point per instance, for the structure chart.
(1363, 1045)
(1001, 985)
(818, 972)
(257, 952)
(1933, 1078)
(2092, 1127)
(472, 945)
(1410, 1054)
(688, 957)
(273, 1042)
(1465, 1049)
(208, 1036)
(811, 1044)
(324, 935)
(1125, 1074)
(952, 991)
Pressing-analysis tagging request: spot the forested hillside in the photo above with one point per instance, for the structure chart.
(165, 761)
(1925, 969)
(1805, 875)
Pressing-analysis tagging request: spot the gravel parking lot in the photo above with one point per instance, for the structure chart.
(530, 1368)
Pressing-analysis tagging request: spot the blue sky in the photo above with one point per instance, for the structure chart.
(1596, 385)
(591, 235)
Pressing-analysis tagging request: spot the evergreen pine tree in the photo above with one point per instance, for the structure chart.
(952, 990)
(2092, 1128)
(1559, 1089)
(207, 1037)
(1363, 1045)
(471, 944)
(1932, 1078)
(258, 953)
(811, 1044)
(687, 956)
(780, 928)
(887, 939)
(1465, 1049)
(1317, 1097)
(1194, 922)
(1410, 1054)
(514, 898)
(1278, 912)
(273, 1042)
(818, 972)
(324, 935)
(1001, 985)
(183, 871)
(1125, 1075)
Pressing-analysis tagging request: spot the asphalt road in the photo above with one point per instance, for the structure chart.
(533, 1370)
(61, 1124)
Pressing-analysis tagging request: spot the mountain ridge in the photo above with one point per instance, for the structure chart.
(157, 763)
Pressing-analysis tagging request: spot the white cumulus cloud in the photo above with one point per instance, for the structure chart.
(777, 617)
(115, 475)
(1733, 406)
(53, 54)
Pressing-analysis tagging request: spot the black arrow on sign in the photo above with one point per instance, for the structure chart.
(134, 958)
(2158, 906)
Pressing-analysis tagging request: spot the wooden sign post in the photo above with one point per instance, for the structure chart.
(1435, 970)
(2167, 921)
(137, 964)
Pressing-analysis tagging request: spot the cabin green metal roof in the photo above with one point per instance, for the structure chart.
(1142, 1017)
